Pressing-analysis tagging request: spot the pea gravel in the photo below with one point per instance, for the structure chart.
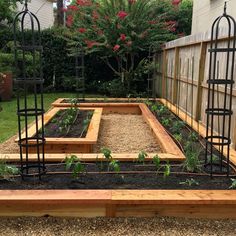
(126, 133)
(115, 227)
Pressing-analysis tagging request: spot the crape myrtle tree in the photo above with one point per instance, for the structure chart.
(118, 31)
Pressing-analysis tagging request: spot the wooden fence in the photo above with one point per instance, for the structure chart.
(181, 77)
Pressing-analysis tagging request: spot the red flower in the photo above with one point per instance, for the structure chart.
(90, 44)
(132, 1)
(69, 21)
(84, 2)
(73, 8)
(116, 47)
(122, 14)
(176, 2)
(122, 37)
(82, 30)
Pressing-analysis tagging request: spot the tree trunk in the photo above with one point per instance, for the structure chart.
(60, 12)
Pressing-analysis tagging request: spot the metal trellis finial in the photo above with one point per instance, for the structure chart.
(225, 8)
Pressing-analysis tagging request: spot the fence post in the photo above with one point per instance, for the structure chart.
(201, 75)
(164, 77)
(176, 69)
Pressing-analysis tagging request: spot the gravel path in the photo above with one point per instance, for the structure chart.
(125, 133)
(115, 227)
(9, 146)
(119, 132)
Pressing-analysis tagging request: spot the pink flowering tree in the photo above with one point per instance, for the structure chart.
(118, 29)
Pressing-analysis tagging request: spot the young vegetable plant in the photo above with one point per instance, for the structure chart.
(162, 110)
(166, 121)
(7, 172)
(166, 170)
(142, 156)
(233, 184)
(177, 126)
(74, 164)
(189, 182)
(193, 137)
(114, 165)
(192, 162)
(157, 162)
(178, 137)
(106, 153)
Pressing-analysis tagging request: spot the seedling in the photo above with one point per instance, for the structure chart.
(178, 137)
(142, 156)
(106, 153)
(166, 170)
(177, 126)
(233, 184)
(162, 110)
(114, 165)
(189, 182)
(192, 162)
(193, 137)
(154, 108)
(74, 164)
(157, 162)
(165, 122)
(7, 171)
(215, 159)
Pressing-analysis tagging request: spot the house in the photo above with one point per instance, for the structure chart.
(206, 11)
(43, 9)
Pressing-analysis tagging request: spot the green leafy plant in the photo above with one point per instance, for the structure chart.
(106, 153)
(214, 158)
(166, 122)
(157, 162)
(233, 184)
(166, 172)
(162, 110)
(177, 126)
(193, 137)
(114, 165)
(7, 172)
(154, 108)
(192, 162)
(178, 137)
(189, 182)
(142, 156)
(74, 164)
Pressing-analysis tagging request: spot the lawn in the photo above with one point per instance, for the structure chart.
(8, 117)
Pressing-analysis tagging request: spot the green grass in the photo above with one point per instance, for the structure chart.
(8, 117)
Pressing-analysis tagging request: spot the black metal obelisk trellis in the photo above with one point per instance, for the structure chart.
(80, 74)
(29, 80)
(219, 105)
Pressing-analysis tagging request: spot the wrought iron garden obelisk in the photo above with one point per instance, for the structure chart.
(219, 104)
(29, 81)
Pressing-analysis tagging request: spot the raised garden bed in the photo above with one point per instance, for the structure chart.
(155, 195)
(79, 139)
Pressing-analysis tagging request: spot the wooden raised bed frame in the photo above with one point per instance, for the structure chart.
(69, 145)
(170, 151)
(220, 204)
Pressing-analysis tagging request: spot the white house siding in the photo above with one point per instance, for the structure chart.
(43, 9)
(206, 11)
